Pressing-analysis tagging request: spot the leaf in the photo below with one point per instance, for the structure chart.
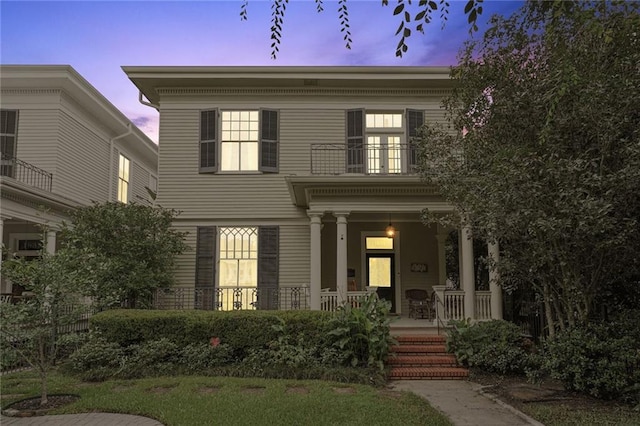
(470, 4)
(399, 8)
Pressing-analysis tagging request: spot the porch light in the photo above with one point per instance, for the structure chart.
(390, 231)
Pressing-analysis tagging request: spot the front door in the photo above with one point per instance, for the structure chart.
(380, 274)
(384, 155)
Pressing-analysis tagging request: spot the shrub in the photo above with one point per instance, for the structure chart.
(495, 346)
(601, 360)
(97, 360)
(363, 334)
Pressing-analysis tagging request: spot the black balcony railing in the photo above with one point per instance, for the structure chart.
(25, 172)
(378, 159)
(232, 298)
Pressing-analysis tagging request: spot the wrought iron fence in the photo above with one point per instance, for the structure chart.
(25, 172)
(232, 298)
(336, 159)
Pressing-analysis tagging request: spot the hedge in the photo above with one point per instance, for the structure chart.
(242, 330)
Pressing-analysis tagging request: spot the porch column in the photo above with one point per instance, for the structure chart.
(468, 279)
(51, 242)
(341, 256)
(442, 261)
(494, 278)
(315, 279)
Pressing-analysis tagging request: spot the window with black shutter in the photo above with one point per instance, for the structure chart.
(415, 120)
(269, 141)
(355, 141)
(208, 141)
(8, 131)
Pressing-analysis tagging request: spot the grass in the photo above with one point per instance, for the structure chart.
(196, 400)
(568, 415)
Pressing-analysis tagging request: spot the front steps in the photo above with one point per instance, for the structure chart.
(423, 357)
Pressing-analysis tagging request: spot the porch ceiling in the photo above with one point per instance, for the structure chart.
(364, 194)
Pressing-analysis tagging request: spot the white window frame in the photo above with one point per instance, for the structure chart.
(240, 141)
(383, 148)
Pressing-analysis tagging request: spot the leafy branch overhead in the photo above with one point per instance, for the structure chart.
(412, 16)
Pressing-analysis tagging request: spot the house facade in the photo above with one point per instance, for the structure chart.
(64, 145)
(289, 180)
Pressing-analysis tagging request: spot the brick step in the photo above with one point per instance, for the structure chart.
(420, 349)
(428, 373)
(423, 360)
(420, 339)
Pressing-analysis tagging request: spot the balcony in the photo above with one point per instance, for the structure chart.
(25, 173)
(370, 159)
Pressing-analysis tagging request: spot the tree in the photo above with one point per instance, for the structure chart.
(412, 17)
(135, 241)
(31, 328)
(543, 151)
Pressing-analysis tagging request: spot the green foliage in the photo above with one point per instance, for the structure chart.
(543, 150)
(135, 243)
(363, 334)
(31, 329)
(241, 330)
(602, 360)
(495, 346)
(97, 360)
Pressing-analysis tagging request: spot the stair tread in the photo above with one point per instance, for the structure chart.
(428, 372)
(420, 348)
(420, 338)
(423, 359)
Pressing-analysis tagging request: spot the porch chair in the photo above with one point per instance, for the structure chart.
(419, 303)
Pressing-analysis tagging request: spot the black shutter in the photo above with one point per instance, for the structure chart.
(268, 266)
(355, 141)
(208, 141)
(205, 268)
(415, 120)
(269, 141)
(8, 130)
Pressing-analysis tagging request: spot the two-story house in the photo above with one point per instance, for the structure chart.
(64, 145)
(298, 186)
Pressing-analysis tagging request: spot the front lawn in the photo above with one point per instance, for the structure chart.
(197, 400)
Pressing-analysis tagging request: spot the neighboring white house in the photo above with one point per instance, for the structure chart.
(63, 145)
(288, 178)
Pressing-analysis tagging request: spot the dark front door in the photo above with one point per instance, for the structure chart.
(380, 274)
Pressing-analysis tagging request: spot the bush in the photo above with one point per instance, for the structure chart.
(494, 346)
(241, 330)
(601, 360)
(97, 360)
(363, 334)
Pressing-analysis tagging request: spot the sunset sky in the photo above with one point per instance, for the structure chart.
(98, 37)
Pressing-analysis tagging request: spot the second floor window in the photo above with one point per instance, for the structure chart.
(239, 141)
(123, 179)
(8, 130)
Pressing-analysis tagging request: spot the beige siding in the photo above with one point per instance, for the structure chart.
(138, 181)
(294, 255)
(37, 138)
(115, 164)
(186, 262)
(82, 172)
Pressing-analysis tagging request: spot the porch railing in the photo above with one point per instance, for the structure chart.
(25, 172)
(337, 159)
(452, 304)
(232, 298)
(329, 299)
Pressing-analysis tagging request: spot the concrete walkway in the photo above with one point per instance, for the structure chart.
(461, 401)
(464, 404)
(84, 419)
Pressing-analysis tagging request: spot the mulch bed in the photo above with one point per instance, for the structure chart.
(32, 407)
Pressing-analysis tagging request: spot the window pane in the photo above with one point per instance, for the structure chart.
(248, 273)
(384, 121)
(228, 273)
(380, 272)
(379, 243)
(230, 154)
(249, 156)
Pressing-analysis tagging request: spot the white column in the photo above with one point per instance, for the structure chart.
(50, 246)
(315, 279)
(442, 260)
(494, 279)
(341, 256)
(468, 279)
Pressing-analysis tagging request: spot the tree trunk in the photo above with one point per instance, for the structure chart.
(548, 311)
(44, 398)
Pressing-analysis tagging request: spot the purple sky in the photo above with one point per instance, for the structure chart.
(97, 37)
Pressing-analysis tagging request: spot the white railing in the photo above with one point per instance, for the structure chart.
(232, 298)
(454, 305)
(329, 299)
(483, 305)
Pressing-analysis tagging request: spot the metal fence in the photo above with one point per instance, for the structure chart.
(232, 298)
(336, 159)
(25, 172)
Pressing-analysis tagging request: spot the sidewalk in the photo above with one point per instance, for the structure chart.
(84, 419)
(462, 402)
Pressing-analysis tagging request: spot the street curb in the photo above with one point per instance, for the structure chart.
(494, 398)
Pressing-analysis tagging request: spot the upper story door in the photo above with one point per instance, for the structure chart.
(384, 155)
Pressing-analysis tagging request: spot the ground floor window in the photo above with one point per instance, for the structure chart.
(238, 257)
